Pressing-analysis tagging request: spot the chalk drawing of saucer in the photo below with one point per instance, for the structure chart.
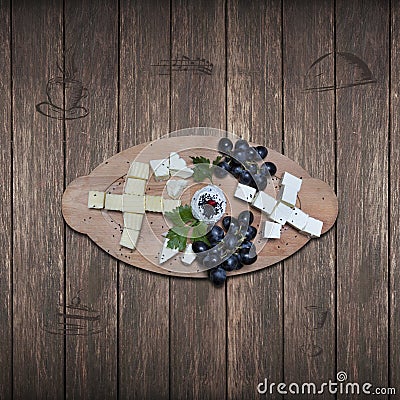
(49, 110)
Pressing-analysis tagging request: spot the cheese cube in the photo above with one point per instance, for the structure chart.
(264, 202)
(272, 230)
(153, 203)
(291, 180)
(313, 227)
(298, 219)
(133, 203)
(129, 238)
(189, 255)
(287, 195)
(160, 169)
(176, 163)
(96, 199)
(133, 221)
(245, 193)
(281, 213)
(113, 202)
(184, 173)
(169, 204)
(135, 186)
(175, 187)
(138, 170)
(167, 253)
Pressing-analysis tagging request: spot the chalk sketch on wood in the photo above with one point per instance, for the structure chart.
(350, 71)
(75, 319)
(183, 63)
(65, 92)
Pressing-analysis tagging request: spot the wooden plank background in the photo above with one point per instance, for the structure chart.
(316, 80)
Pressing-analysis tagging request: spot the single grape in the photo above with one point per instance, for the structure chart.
(241, 144)
(216, 234)
(217, 276)
(246, 216)
(262, 151)
(199, 246)
(231, 263)
(246, 244)
(251, 154)
(226, 221)
(261, 181)
(251, 233)
(268, 167)
(248, 256)
(236, 171)
(240, 155)
(245, 178)
(252, 168)
(225, 145)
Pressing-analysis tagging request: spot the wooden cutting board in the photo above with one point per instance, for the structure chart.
(316, 198)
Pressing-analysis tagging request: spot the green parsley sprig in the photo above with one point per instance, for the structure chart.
(185, 226)
(204, 168)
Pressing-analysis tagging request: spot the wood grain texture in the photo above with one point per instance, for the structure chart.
(144, 115)
(197, 309)
(309, 276)
(6, 202)
(254, 301)
(38, 186)
(91, 43)
(362, 29)
(394, 193)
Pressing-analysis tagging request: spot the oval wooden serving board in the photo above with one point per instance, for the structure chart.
(316, 198)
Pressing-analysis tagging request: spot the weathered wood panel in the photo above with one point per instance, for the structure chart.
(394, 193)
(144, 115)
(309, 139)
(6, 203)
(254, 301)
(91, 61)
(362, 30)
(38, 177)
(197, 309)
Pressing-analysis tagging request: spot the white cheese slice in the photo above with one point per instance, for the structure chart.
(291, 180)
(169, 204)
(160, 169)
(176, 163)
(135, 186)
(313, 227)
(281, 213)
(184, 173)
(96, 199)
(298, 219)
(133, 221)
(288, 195)
(264, 202)
(113, 202)
(129, 238)
(245, 193)
(189, 255)
(272, 230)
(133, 203)
(153, 203)
(175, 187)
(167, 253)
(138, 170)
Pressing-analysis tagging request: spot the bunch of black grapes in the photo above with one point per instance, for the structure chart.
(231, 246)
(242, 161)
